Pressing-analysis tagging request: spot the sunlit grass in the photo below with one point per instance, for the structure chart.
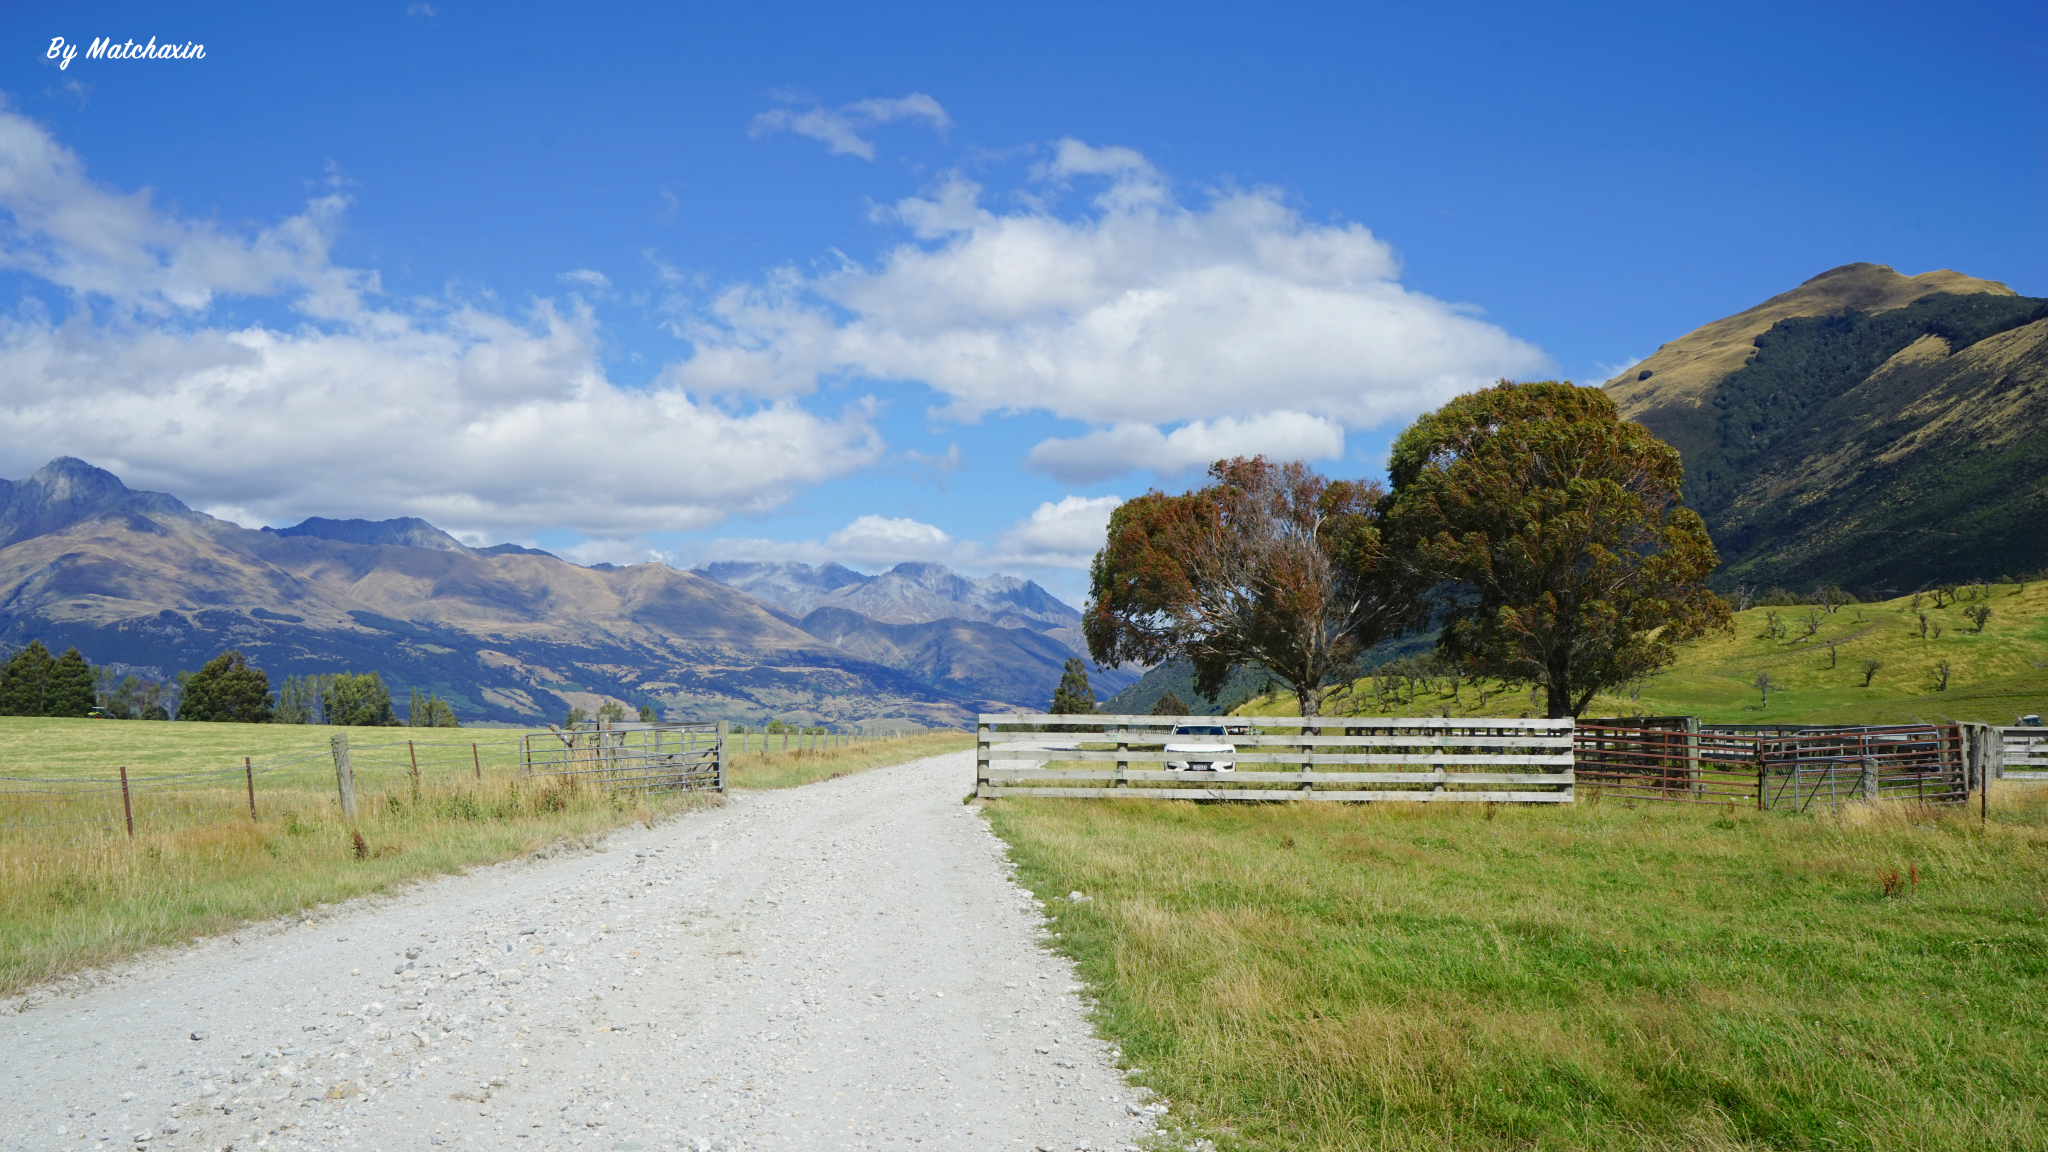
(1596, 976)
(1994, 676)
(779, 769)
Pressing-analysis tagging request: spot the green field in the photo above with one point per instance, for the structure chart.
(1587, 977)
(1995, 676)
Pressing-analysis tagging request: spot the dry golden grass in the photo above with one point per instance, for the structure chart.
(779, 769)
(1408, 976)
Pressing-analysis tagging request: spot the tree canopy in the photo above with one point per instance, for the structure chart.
(1270, 564)
(1554, 531)
(1073, 697)
(228, 688)
(357, 698)
(1170, 705)
(25, 681)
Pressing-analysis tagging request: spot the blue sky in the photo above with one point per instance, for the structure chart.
(932, 282)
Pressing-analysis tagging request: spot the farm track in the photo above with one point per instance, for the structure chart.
(846, 965)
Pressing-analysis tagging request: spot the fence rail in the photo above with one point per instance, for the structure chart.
(1779, 767)
(1276, 758)
(642, 757)
(2023, 753)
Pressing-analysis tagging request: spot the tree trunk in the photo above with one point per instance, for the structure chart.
(1559, 699)
(1310, 700)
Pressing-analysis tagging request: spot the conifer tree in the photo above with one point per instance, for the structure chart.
(1073, 696)
(24, 682)
(70, 687)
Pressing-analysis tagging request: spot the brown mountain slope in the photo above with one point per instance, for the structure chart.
(1672, 391)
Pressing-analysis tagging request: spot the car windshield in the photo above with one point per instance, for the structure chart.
(1197, 730)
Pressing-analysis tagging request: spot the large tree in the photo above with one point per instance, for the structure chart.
(25, 681)
(1554, 530)
(228, 688)
(70, 691)
(1271, 564)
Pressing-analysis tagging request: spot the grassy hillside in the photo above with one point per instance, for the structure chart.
(1995, 675)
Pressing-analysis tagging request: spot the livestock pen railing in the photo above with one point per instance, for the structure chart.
(646, 757)
(1672, 760)
(1339, 758)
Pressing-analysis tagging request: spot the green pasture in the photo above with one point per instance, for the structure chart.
(1595, 976)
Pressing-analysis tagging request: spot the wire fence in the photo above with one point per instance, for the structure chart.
(69, 811)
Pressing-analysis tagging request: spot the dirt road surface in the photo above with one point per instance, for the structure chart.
(847, 965)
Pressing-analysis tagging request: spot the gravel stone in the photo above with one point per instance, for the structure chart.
(845, 965)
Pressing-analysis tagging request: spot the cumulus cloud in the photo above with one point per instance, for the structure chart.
(1138, 310)
(1123, 448)
(839, 129)
(479, 421)
(1063, 535)
(1066, 534)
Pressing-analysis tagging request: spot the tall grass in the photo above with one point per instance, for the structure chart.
(1323, 976)
(92, 901)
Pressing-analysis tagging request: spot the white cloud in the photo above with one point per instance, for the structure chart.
(839, 129)
(480, 422)
(1123, 448)
(1139, 311)
(61, 227)
(588, 279)
(1062, 535)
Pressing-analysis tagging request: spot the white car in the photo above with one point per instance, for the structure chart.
(1200, 748)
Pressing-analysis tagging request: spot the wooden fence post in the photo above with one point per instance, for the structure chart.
(981, 783)
(1870, 779)
(415, 770)
(249, 772)
(1308, 766)
(344, 775)
(724, 730)
(127, 808)
(1123, 744)
(478, 759)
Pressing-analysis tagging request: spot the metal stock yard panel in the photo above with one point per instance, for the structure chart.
(1776, 766)
(630, 757)
(1279, 758)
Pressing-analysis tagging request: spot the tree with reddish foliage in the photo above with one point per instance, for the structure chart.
(1270, 564)
(1555, 535)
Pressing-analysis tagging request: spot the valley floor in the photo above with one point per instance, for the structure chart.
(847, 965)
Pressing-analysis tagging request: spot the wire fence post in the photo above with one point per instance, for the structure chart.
(415, 757)
(724, 729)
(249, 774)
(477, 757)
(127, 808)
(344, 775)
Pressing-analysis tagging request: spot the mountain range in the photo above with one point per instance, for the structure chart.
(507, 634)
(1868, 429)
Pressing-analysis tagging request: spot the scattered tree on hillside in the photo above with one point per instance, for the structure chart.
(1832, 645)
(577, 716)
(611, 712)
(1923, 625)
(1764, 684)
(1979, 615)
(429, 711)
(359, 699)
(648, 715)
(1170, 705)
(70, 689)
(1073, 697)
(25, 681)
(1941, 675)
(1870, 668)
(1555, 526)
(227, 689)
(1271, 564)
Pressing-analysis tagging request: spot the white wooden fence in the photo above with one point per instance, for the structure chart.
(1278, 758)
(2025, 755)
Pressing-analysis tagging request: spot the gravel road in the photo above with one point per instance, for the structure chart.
(846, 965)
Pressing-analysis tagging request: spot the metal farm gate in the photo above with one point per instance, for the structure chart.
(630, 756)
(1673, 759)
